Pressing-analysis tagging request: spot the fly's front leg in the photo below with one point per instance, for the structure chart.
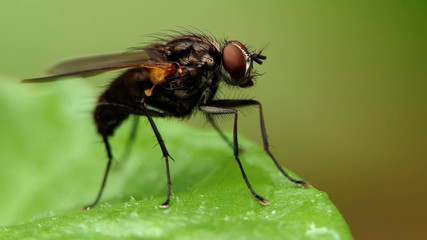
(216, 127)
(218, 110)
(166, 155)
(243, 103)
(220, 132)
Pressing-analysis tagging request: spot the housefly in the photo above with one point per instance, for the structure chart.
(171, 78)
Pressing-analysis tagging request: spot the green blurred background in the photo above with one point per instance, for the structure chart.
(344, 89)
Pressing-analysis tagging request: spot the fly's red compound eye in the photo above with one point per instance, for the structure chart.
(234, 60)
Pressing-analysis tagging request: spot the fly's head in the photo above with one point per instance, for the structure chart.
(237, 64)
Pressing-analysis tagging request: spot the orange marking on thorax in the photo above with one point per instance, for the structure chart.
(158, 74)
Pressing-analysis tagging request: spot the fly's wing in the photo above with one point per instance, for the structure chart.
(99, 62)
(89, 66)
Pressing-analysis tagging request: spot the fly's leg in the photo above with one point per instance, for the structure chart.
(218, 110)
(109, 116)
(216, 127)
(104, 180)
(243, 103)
(220, 132)
(166, 155)
(131, 139)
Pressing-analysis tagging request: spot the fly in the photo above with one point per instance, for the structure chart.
(172, 78)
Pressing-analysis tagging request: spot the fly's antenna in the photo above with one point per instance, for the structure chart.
(258, 57)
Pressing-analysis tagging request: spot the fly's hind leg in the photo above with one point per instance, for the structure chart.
(108, 116)
(104, 180)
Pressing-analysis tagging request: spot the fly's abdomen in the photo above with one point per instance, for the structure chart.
(123, 95)
(108, 118)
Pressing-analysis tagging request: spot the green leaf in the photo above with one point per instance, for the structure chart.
(52, 163)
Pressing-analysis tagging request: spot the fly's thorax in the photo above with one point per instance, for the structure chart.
(193, 50)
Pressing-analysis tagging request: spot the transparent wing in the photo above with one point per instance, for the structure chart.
(99, 62)
(89, 66)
